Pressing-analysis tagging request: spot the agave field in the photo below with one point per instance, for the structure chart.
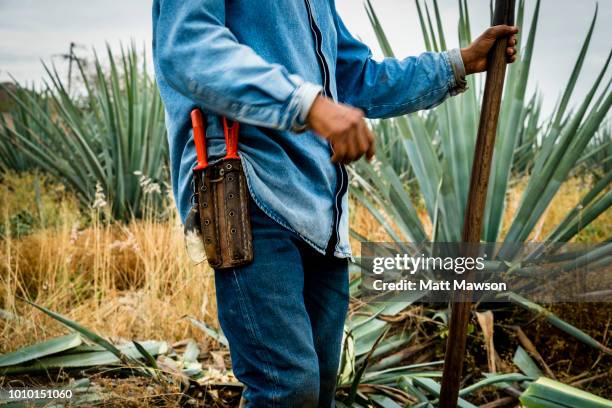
(93, 274)
(102, 141)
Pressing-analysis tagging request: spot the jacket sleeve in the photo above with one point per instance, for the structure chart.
(198, 56)
(394, 87)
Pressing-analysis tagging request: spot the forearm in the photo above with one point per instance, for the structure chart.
(395, 87)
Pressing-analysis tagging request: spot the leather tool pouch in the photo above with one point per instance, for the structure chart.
(222, 198)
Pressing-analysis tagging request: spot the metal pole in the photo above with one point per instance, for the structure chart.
(71, 58)
(474, 214)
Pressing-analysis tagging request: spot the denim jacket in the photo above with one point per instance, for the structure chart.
(263, 63)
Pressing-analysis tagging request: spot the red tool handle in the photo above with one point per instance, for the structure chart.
(199, 138)
(231, 138)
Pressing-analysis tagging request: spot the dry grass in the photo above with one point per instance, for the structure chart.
(135, 281)
(132, 282)
(569, 195)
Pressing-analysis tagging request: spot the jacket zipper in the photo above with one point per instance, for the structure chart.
(343, 186)
(318, 38)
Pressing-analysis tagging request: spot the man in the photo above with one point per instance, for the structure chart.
(300, 85)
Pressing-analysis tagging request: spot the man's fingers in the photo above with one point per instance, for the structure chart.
(511, 50)
(339, 153)
(366, 142)
(372, 147)
(353, 151)
(502, 31)
(352, 154)
(362, 141)
(355, 144)
(337, 158)
(346, 130)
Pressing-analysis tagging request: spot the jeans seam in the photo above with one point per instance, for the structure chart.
(257, 336)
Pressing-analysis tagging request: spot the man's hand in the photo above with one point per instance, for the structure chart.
(344, 127)
(475, 55)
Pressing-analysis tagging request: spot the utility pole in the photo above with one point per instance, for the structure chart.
(72, 58)
(477, 196)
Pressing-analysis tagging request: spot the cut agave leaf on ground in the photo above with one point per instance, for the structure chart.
(215, 334)
(193, 370)
(486, 322)
(84, 348)
(401, 355)
(346, 372)
(90, 359)
(150, 360)
(81, 383)
(46, 348)
(391, 375)
(391, 378)
(493, 379)
(405, 383)
(366, 331)
(191, 353)
(85, 332)
(433, 387)
(361, 370)
(423, 405)
(525, 363)
(558, 322)
(384, 401)
(391, 344)
(545, 393)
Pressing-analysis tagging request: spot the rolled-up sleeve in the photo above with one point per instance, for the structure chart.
(393, 87)
(456, 62)
(199, 57)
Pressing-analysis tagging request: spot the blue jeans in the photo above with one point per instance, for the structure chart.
(283, 316)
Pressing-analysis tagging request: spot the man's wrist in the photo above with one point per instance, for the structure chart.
(308, 93)
(458, 67)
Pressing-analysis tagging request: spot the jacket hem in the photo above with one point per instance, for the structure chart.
(270, 213)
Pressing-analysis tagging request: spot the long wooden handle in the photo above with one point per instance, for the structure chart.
(474, 214)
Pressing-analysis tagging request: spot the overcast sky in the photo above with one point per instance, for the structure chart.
(31, 30)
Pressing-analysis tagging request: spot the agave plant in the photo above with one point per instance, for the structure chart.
(596, 160)
(435, 151)
(439, 147)
(11, 157)
(106, 143)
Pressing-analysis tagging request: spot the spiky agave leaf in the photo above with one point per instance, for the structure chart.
(42, 349)
(439, 146)
(545, 393)
(211, 332)
(83, 359)
(100, 138)
(94, 337)
(558, 322)
(346, 372)
(525, 363)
